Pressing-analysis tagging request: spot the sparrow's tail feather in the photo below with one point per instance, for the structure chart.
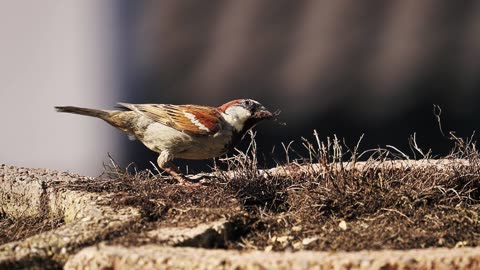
(83, 111)
(119, 119)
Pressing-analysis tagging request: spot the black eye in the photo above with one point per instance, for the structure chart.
(248, 103)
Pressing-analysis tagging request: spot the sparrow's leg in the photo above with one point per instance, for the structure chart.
(165, 163)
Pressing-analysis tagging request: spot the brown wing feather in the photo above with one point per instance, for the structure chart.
(194, 120)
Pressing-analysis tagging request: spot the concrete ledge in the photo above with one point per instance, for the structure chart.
(296, 170)
(155, 257)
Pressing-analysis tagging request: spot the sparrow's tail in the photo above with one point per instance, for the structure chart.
(119, 119)
(83, 111)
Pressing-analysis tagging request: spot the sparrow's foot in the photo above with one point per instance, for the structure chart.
(181, 179)
(165, 163)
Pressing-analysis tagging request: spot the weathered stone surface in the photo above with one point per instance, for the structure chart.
(295, 170)
(204, 235)
(155, 257)
(40, 192)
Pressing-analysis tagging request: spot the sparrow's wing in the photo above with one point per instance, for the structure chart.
(191, 119)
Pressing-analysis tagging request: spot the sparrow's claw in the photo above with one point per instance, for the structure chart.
(181, 179)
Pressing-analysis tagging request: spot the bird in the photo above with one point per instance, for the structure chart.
(188, 131)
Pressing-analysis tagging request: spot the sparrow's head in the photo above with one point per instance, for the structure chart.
(244, 114)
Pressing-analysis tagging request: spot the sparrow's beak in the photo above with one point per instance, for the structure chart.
(263, 113)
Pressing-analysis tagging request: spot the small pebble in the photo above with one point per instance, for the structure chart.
(309, 241)
(343, 225)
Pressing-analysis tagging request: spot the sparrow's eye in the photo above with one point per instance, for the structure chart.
(248, 103)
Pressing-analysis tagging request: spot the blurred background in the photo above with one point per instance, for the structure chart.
(341, 67)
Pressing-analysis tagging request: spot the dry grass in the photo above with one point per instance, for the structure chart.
(18, 229)
(340, 209)
(332, 209)
(335, 208)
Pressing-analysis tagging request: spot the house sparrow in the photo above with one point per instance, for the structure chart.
(182, 131)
